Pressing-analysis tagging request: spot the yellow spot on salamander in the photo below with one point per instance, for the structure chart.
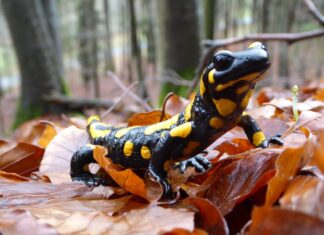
(90, 146)
(211, 78)
(187, 114)
(181, 131)
(225, 106)
(191, 146)
(128, 148)
(249, 77)
(216, 122)
(242, 89)
(161, 125)
(94, 133)
(202, 88)
(258, 138)
(255, 44)
(145, 152)
(93, 118)
(246, 99)
(123, 131)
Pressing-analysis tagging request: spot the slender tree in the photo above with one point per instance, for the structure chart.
(38, 57)
(178, 40)
(136, 52)
(209, 10)
(109, 62)
(88, 46)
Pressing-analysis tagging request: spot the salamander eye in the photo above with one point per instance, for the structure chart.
(222, 60)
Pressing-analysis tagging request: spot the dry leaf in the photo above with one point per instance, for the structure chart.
(126, 179)
(208, 217)
(58, 154)
(22, 159)
(235, 182)
(269, 220)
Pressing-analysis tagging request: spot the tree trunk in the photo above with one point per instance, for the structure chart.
(40, 69)
(179, 40)
(88, 43)
(209, 18)
(136, 52)
(109, 62)
(149, 30)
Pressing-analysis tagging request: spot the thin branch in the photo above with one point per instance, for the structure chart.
(213, 45)
(79, 104)
(119, 99)
(314, 11)
(131, 94)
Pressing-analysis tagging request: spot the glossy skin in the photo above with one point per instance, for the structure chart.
(225, 89)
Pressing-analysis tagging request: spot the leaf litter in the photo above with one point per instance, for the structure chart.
(283, 186)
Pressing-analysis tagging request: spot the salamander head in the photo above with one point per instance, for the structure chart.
(232, 70)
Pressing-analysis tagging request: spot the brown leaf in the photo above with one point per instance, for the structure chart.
(12, 177)
(269, 220)
(47, 136)
(180, 231)
(155, 220)
(126, 179)
(28, 193)
(175, 104)
(23, 159)
(235, 146)
(305, 194)
(148, 118)
(58, 154)
(319, 152)
(287, 165)
(208, 216)
(22, 222)
(237, 181)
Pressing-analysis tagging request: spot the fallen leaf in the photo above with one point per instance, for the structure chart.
(237, 181)
(156, 220)
(58, 154)
(305, 194)
(47, 136)
(12, 177)
(175, 104)
(126, 178)
(270, 220)
(28, 193)
(23, 159)
(287, 165)
(208, 217)
(148, 118)
(23, 222)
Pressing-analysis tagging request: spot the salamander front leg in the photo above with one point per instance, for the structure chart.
(79, 161)
(200, 163)
(255, 134)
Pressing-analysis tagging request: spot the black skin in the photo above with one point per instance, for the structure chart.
(163, 146)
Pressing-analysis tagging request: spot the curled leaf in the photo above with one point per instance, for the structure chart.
(126, 178)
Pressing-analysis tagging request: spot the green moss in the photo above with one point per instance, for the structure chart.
(24, 114)
(168, 87)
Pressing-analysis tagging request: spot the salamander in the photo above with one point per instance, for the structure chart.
(226, 86)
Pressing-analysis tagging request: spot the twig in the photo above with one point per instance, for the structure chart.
(314, 11)
(131, 94)
(213, 45)
(119, 99)
(80, 104)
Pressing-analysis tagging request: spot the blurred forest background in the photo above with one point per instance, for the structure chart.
(80, 56)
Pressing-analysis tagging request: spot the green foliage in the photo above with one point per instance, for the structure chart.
(168, 87)
(24, 114)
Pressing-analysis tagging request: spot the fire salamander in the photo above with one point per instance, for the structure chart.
(225, 88)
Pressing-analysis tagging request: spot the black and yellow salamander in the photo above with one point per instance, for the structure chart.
(225, 88)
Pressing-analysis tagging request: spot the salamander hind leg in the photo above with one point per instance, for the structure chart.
(80, 160)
